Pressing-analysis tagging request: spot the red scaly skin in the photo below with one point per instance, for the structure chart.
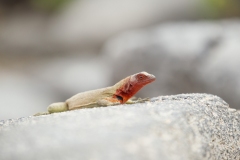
(133, 84)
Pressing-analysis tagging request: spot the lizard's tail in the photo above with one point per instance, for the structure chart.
(41, 113)
(55, 107)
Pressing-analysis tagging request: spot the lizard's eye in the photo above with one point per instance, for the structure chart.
(130, 86)
(140, 77)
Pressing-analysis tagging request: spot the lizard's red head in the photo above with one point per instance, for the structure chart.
(141, 79)
(137, 81)
(133, 84)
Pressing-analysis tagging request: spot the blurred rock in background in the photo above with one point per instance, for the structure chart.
(185, 57)
(50, 50)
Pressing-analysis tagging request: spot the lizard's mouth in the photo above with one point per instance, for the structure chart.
(142, 78)
(150, 79)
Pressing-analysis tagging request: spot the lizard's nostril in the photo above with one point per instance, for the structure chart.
(153, 77)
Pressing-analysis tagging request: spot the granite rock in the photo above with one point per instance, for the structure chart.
(178, 127)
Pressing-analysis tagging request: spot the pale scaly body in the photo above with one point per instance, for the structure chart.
(119, 93)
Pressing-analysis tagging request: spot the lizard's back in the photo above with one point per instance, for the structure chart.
(83, 99)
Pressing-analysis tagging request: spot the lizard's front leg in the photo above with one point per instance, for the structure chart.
(139, 100)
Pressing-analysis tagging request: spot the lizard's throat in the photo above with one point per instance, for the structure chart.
(128, 93)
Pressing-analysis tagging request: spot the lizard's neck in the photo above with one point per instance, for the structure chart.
(126, 90)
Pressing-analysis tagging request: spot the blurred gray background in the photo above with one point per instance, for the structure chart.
(53, 49)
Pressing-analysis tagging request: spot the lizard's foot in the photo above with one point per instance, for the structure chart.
(139, 100)
(142, 100)
(41, 113)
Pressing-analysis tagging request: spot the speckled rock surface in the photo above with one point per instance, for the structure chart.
(179, 127)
